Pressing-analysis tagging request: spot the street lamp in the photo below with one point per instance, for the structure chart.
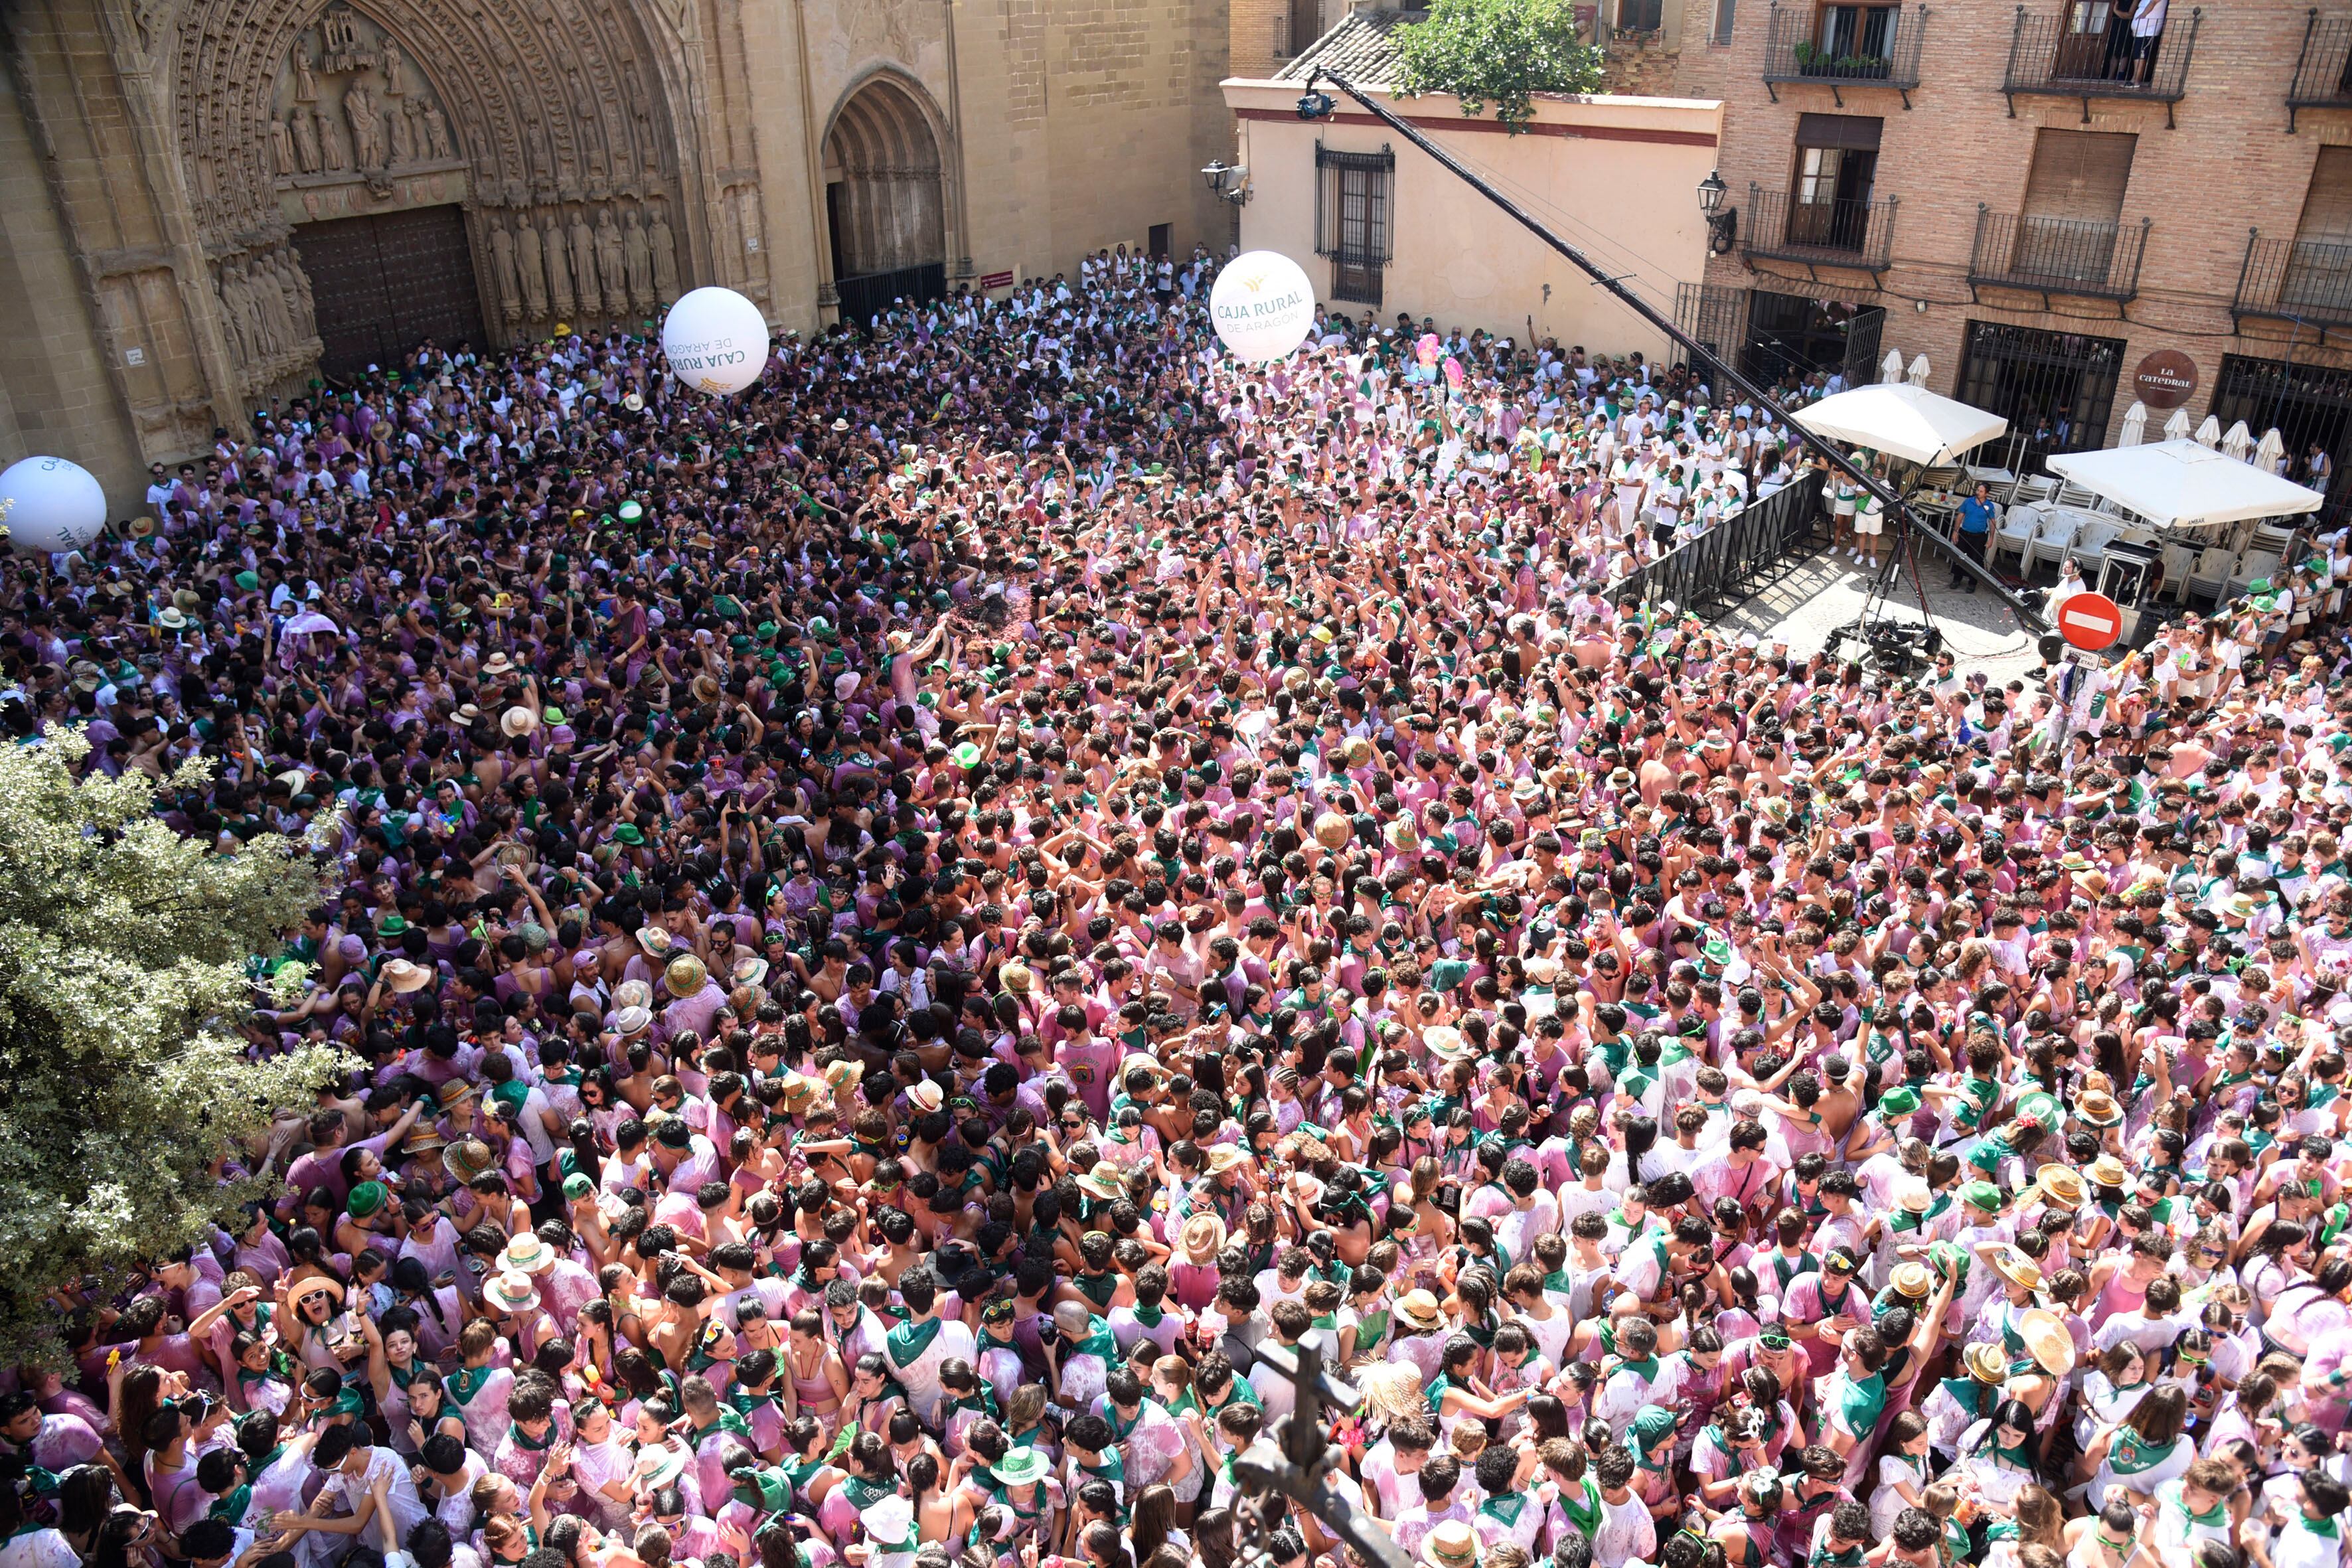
(1228, 182)
(1722, 222)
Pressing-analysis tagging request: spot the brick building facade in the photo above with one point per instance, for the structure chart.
(1983, 184)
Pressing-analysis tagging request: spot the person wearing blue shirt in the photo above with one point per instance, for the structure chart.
(1976, 534)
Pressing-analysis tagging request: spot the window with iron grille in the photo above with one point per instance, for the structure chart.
(1352, 220)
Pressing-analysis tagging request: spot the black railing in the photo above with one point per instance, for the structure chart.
(1859, 234)
(2296, 280)
(1878, 47)
(2047, 53)
(2057, 256)
(2323, 71)
(1734, 560)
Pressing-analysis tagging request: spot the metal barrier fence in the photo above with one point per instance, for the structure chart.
(1737, 559)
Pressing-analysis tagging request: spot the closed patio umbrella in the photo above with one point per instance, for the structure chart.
(2176, 428)
(2209, 433)
(2238, 442)
(1891, 371)
(1918, 376)
(2135, 428)
(2272, 448)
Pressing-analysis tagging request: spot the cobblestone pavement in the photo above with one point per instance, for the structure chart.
(1826, 592)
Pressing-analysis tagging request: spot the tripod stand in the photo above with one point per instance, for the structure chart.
(1895, 647)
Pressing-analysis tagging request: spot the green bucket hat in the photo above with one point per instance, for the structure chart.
(628, 833)
(366, 1198)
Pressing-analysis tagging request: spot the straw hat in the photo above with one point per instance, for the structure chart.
(797, 1090)
(405, 977)
(630, 1022)
(2061, 1186)
(468, 1160)
(751, 968)
(685, 975)
(1915, 1198)
(1445, 1043)
(526, 1253)
(1202, 1238)
(1332, 830)
(2107, 1171)
(2047, 1341)
(1418, 1311)
(511, 1290)
(172, 618)
(1016, 978)
(1226, 1157)
(498, 664)
(2017, 1269)
(455, 1092)
(633, 992)
(655, 941)
(1453, 1544)
(927, 1096)
(2097, 1107)
(1912, 1280)
(1099, 1183)
(1986, 1363)
(518, 720)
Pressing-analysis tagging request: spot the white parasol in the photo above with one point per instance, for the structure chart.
(2238, 442)
(2209, 433)
(2135, 428)
(1892, 370)
(2176, 428)
(2271, 452)
(1918, 376)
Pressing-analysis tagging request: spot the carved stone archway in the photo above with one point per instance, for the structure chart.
(887, 197)
(549, 121)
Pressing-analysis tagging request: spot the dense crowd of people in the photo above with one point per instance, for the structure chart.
(892, 935)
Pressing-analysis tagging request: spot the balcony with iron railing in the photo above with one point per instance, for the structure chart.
(2057, 256)
(2323, 71)
(1881, 50)
(2049, 55)
(2307, 281)
(1859, 235)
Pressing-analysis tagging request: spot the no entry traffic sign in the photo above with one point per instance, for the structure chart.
(2089, 621)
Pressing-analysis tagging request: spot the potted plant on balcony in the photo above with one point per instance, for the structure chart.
(1862, 67)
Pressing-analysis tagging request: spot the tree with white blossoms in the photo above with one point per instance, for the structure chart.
(125, 1087)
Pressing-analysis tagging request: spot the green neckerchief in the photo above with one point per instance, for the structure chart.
(2325, 1528)
(1435, 1394)
(1506, 1508)
(744, 1403)
(231, 1505)
(1647, 1370)
(1585, 1512)
(2129, 1454)
(511, 1094)
(1149, 1316)
(464, 1383)
(523, 1439)
(1968, 1395)
(908, 1341)
(1558, 1283)
(727, 1421)
(1098, 1341)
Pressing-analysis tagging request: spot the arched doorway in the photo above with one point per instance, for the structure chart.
(884, 202)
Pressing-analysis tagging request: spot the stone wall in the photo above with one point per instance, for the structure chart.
(606, 154)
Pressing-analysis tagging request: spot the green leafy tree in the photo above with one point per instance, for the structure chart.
(1502, 52)
(124, 971)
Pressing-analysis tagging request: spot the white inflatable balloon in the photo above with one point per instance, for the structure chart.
(716, 340)
(52, 504)
(1263, 305)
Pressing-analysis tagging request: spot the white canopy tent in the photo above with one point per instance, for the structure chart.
(2182, 484)
(1903, 421)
